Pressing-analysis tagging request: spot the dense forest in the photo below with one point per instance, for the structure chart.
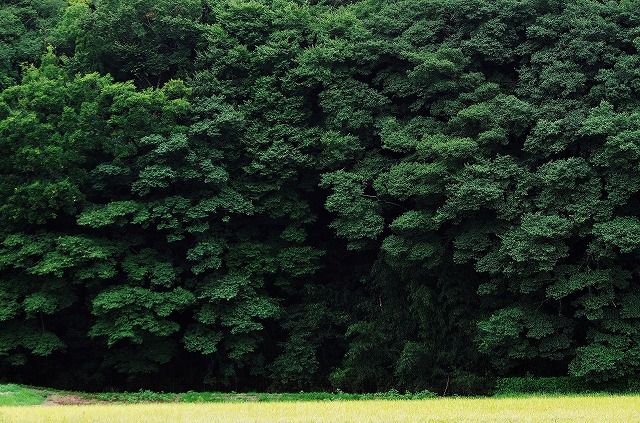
(295, 194)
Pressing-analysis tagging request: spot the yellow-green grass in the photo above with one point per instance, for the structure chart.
(623, 408)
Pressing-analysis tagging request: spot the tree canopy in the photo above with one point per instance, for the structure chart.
(286, 195)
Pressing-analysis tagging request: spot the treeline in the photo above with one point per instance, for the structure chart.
(294, 195)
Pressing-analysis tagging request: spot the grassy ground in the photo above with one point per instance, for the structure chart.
(25, 405)
(26, 395)
(20, 395)
(524, 409)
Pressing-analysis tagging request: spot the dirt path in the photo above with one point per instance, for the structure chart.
(64, 399)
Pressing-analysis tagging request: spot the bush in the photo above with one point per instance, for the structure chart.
(560, 385)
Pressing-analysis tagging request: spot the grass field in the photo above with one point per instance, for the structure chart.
(583, 408)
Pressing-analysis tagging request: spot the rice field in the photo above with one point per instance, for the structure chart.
(597, 408)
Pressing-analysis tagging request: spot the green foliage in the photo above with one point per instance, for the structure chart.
(541, 385)
(277, 194)
(26, 27)
(149, 41)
